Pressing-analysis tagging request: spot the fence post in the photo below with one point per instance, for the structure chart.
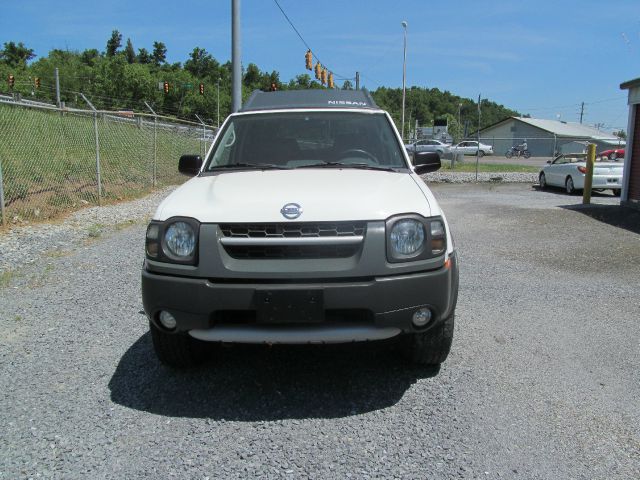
(154, 168)
(2, 211)
(98, 175)
(204, 134)
(95, 129)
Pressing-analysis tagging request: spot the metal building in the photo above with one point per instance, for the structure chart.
(631, 179)
(545, 137)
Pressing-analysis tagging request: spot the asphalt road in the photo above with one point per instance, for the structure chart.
(542, 383)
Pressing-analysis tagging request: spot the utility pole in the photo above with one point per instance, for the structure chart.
(357, 80)
(404, 75)
(581, 112)
(459, 126)
(236, 88)
(57, 88)
(478, 151)
(218, 104)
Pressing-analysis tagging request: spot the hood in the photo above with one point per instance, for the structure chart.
(323, 194)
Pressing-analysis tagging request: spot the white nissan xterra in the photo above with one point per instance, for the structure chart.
(305, 223)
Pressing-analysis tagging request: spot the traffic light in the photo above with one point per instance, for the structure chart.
(330, 80)
(12, 80)
(36, 81)
(318, 69)
(274, 87)
(323, 76)
(308, 57)
(166, 87)
(202, 89)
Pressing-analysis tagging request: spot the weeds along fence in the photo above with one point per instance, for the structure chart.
(56, 160)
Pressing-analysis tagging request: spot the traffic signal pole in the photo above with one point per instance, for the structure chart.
(236, 85)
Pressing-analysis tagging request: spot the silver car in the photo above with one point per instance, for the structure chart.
(428, 146)
(469, 147)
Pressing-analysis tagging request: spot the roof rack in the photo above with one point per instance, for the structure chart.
(287, 99)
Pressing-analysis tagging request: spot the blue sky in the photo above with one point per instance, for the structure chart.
(540, 57)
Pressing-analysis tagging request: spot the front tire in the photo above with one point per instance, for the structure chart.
(543, 180)
(569, 186)
(429, 348)
(178, 350)
(509, 154)
(617, 192)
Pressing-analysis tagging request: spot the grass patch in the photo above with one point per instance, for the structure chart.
(95, 230)
(6, 277)
(489, 167)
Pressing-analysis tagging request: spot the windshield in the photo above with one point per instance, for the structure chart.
(306, 139)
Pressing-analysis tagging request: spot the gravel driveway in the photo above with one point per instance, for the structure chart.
(543, 381)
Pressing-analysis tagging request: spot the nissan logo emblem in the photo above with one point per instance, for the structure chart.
(291, 211)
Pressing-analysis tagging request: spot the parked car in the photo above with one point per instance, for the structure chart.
(305, 223)
(428, 146)
(568, 171)
(471, 148)
(613, 154)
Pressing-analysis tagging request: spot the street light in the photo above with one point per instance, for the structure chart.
(404, 73)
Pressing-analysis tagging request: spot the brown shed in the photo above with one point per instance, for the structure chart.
(631, 182)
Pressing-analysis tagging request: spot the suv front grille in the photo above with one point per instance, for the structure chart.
(293, 240)
(292, 251)
(293, 230)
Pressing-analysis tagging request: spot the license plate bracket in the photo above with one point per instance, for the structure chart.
(289, 306)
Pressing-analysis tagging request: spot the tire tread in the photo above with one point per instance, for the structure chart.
(178, 350)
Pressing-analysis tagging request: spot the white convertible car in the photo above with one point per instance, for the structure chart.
(568, 171)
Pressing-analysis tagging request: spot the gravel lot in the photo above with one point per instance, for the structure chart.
(543, 381)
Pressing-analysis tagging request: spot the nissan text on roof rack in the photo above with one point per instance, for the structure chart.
(305, 223)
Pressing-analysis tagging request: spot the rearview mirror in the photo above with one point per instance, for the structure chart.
(190, 165)
(426, 162)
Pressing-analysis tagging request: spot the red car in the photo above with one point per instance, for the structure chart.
(612, 154)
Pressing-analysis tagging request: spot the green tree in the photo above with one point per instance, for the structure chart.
(347, 85)
(252, 77)
(114, 43)
(159, 54)
(129, 52)
(201, 64)
(16, 55)
(144, 57)
(89, 56)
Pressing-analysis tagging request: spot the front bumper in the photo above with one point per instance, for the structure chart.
(376, 303)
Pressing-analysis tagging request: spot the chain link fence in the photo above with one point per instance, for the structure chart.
(56, 160)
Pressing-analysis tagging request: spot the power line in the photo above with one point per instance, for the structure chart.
(340, 77)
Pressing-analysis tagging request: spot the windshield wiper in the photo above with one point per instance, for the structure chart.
(364, 166)
(261, 166)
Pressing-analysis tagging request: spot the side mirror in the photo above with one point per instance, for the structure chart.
(548, 161)
(426, 162)
(190, 165)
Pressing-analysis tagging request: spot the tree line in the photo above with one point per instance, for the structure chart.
(121, 77)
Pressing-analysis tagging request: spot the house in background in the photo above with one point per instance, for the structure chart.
(631, 179)
(545, 137)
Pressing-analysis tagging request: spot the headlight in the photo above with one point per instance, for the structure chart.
(180, 239)
(407, 237)
(173, 241)
(412, 237)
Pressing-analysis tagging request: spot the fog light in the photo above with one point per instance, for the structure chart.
(168, 321)
(421, 317)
